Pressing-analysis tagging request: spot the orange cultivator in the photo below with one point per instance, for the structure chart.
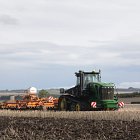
(50, 103)
(31, 101)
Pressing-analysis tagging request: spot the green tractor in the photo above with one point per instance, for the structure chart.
(88, 94)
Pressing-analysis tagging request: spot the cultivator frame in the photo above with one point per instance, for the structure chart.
(31, 102)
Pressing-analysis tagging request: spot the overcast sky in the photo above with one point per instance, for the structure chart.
(44, 42)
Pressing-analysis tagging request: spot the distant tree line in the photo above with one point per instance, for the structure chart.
(42, 94)
(129, 95)
(7, 97)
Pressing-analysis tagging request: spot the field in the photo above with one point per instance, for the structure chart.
(23, 128)
(39, 125)
(129, 100)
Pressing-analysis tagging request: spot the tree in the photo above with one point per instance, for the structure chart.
(43, 93)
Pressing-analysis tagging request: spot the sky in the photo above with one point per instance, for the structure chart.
(44, 42)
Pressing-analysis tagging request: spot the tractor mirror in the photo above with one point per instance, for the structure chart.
(62, 90)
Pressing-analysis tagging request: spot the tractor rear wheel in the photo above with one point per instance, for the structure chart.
(72, 107)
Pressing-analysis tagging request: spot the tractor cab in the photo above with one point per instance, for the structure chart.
(84, 78)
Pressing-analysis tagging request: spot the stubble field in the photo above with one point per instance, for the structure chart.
(38, 125)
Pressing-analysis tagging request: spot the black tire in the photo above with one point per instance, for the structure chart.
(72, 107)
(77, 107)
(62, 104)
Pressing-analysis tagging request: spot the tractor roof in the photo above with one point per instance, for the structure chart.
(92, 72)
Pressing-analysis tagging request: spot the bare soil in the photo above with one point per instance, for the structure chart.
(23, 128)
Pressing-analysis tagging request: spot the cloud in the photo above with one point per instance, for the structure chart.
(43, 53)
(8, 20)
(33, 60)
(71, 23)
(70, 35)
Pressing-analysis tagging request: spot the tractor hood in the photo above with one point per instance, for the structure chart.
(104, 84)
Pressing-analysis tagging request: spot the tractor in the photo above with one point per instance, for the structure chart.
(89, 93)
